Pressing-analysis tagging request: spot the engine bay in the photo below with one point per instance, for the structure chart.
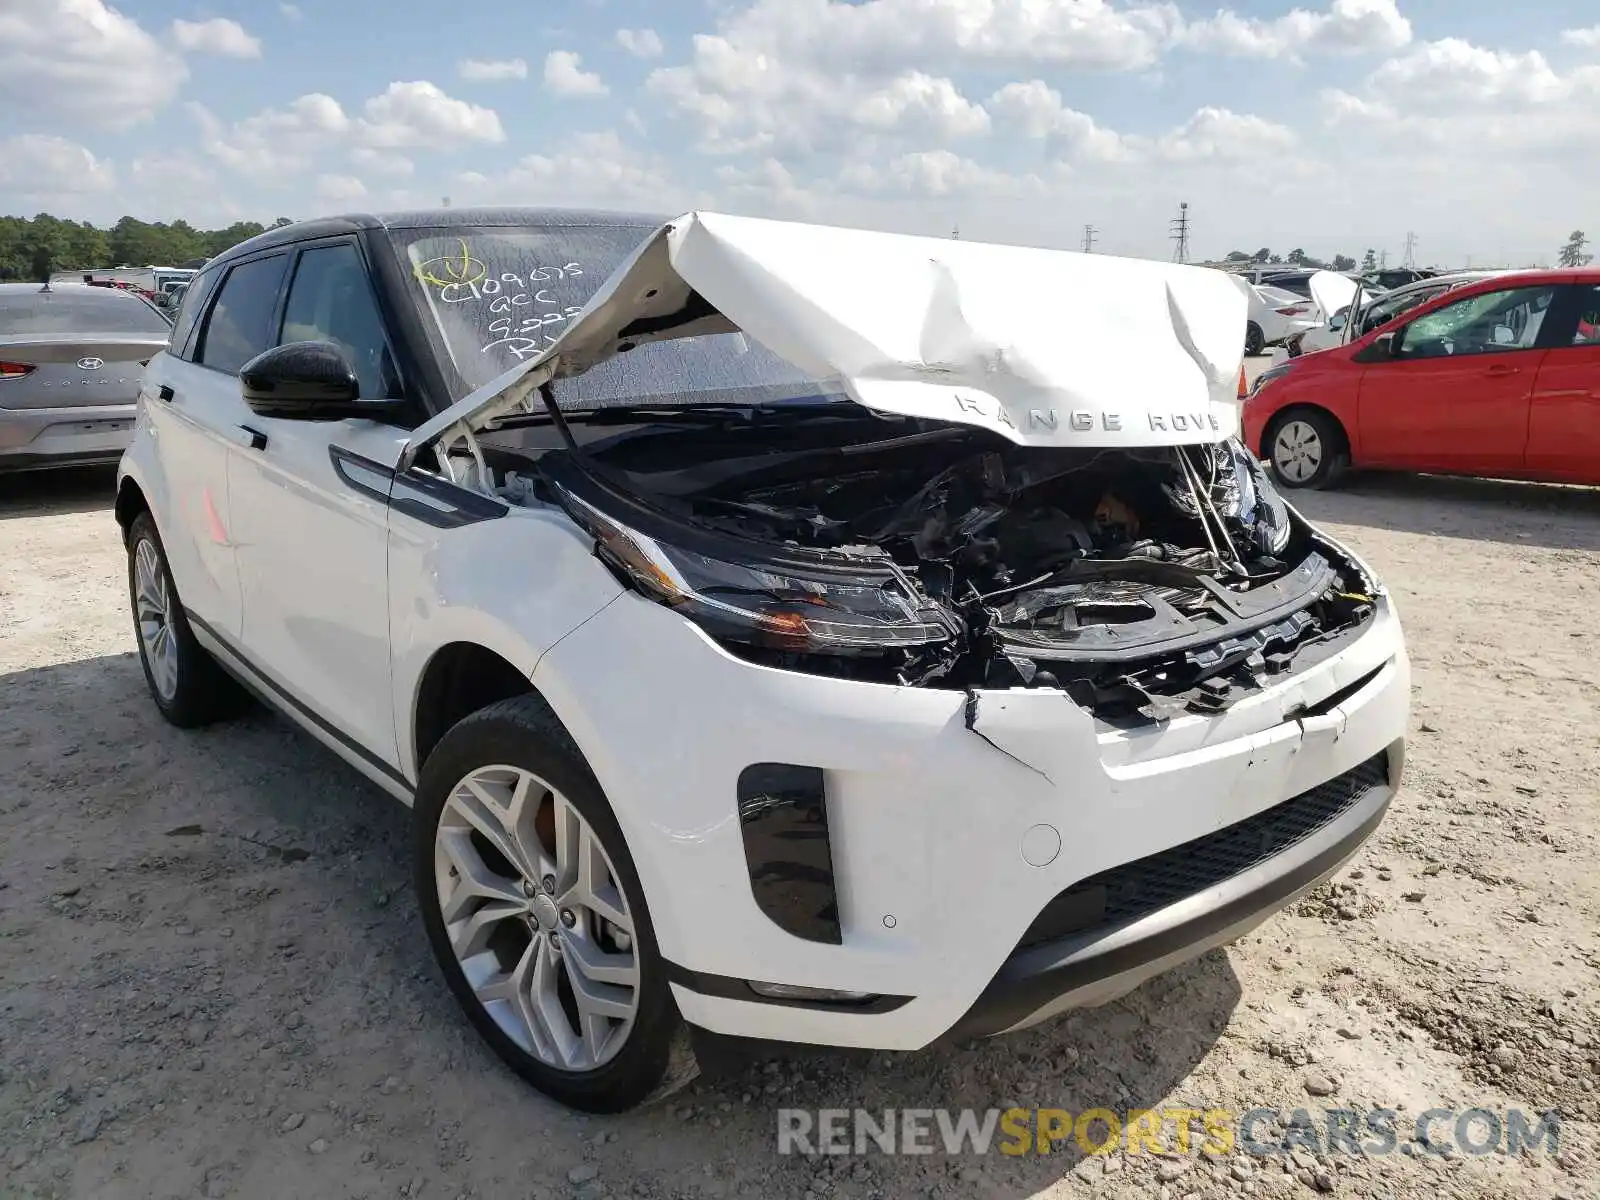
(1144, 583)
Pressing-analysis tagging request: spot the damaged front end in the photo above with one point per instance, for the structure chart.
(1143, 583)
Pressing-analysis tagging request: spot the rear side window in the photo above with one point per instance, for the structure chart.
(194, 301)
(240, 326)
(87, 310)
(1588, 333)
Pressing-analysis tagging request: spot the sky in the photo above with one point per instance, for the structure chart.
(1336, 126)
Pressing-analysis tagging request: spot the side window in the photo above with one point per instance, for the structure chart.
(241, 321)
(1588, 333)
(189, 309)
(330, 300)
(1489, 323)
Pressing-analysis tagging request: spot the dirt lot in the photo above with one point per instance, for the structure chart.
(213, 982)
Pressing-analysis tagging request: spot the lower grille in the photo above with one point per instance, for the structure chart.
(1137, 889)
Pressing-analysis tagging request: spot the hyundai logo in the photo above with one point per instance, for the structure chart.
(91, 364)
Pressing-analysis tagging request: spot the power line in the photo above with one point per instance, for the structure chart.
(1180, 233)
(1089, 234)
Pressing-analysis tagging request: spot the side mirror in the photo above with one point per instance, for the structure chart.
(1385, 345)
(1336, 322)
(307, 381)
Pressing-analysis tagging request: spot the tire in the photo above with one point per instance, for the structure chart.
(1306, 448)
(595, 1067)
(1254, 340)
(189, 687)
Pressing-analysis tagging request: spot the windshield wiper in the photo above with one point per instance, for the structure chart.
(631, 414)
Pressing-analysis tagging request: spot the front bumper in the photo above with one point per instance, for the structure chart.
(51, 437)
(937, 812)
(1316, 833)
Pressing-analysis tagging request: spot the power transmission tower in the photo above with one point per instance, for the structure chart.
(1383, 259)
(1411, 250)
(955, 233)
(1089, 234)
(1180, 233)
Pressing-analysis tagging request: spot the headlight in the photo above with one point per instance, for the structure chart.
(1271, 374)
(1262, 509)
(781, 609)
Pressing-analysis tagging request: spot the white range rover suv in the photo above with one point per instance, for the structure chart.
(782, 634)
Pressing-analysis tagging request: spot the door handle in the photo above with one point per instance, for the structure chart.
(164, 392)
(1503, 369)
(254, 438)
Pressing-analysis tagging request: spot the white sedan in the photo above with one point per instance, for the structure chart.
(1275, 315)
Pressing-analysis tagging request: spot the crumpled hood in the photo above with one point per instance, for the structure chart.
(1331, 291)
(1044, 347)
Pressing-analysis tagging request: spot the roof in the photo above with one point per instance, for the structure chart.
(435, 218)
(63, 289)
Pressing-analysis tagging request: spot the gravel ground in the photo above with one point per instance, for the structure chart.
(213, 981)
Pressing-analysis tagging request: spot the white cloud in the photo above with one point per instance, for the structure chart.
(587, 170)
(420, 114)
(564, 75)
(1347, 27)
(1452, 70)
(382, 162)
(35, 166)
(278, 143)
(938, 173)
(1220, 134)
(756, 106)
(82, 63)
(219, 36)
(886, 36)
(291, 12)
(641, 43)
(340, 189)
(1589, 37)
(484, 70)
(1036, 110)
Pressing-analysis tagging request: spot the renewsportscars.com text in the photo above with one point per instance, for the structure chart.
(1217, 1131)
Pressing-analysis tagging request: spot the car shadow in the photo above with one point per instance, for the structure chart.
(1132, 1054)
(1554, 516)
(247, 878)
(57, 492)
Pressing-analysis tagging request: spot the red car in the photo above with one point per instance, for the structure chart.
(1499, 377)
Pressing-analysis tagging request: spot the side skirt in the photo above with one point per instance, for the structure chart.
(274, 696)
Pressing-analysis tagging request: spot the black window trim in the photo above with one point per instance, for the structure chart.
(203, 327)
(202, 290)
(1566, 310)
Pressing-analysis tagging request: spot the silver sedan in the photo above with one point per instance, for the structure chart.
(70, 360)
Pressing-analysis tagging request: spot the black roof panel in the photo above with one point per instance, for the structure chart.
(429, 218)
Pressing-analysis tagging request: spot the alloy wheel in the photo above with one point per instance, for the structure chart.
(1297, 451)
(536, 918)
(153, 603)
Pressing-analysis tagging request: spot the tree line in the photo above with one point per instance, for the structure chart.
(33, 249)
(1299, 258)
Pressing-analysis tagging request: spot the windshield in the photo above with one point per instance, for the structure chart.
(1390, 307)
(93, 310)
(498, 296)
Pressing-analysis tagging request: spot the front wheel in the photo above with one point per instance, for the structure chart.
(1306, 449)
(535, 914)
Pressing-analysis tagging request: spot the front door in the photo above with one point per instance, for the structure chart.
(1564, 420)
(1454, 395)
(310, 512)
(191, 398)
